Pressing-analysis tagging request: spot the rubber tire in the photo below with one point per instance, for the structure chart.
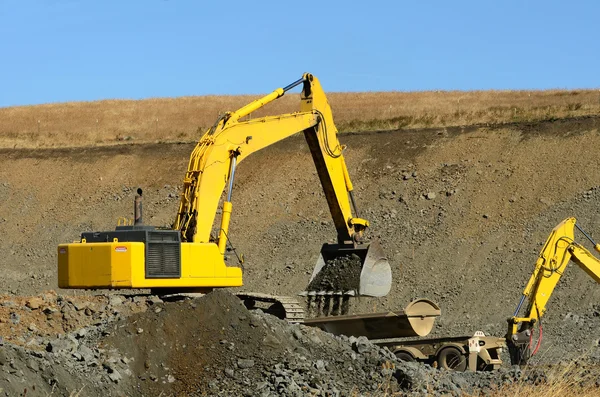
(404, 356)
(453, 359)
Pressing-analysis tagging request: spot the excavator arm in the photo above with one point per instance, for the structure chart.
(212, 167)
(560, 248)
(213, 162)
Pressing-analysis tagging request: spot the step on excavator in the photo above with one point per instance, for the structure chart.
(188, 258)
(560, 248)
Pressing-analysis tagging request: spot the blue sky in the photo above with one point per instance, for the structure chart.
(67, 50)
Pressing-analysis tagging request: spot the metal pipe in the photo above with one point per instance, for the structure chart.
(227, 206)
(353, 204)
(137, 208)
(257, 104)
(519, 306)
(231, 176)
(294, 84)
(585, 234)
(222, 244)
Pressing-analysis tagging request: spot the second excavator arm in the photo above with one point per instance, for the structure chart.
(560, 248)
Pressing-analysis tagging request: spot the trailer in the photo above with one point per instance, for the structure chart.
(403, 332)
(459, 353)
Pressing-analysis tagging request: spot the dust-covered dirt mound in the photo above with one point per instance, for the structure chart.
(214, 345)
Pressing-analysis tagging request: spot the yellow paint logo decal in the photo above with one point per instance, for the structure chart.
(120, 249)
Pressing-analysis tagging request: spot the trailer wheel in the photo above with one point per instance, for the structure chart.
(404, 356)
(452, 358)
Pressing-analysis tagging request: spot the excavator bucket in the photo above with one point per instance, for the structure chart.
(341, 270)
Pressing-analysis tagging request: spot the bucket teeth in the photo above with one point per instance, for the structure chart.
(327, 293)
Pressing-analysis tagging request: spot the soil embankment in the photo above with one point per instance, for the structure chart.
(461, 212)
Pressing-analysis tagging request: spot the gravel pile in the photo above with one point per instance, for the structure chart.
(338, 274)
(214, 346)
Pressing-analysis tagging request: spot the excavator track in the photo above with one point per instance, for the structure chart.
(284, 307)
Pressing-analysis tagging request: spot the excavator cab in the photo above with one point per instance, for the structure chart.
(360, 269)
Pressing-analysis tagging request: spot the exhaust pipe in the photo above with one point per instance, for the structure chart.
(137, 209)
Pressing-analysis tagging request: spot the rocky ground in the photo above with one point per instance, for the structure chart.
(461, 213)
(209, 346)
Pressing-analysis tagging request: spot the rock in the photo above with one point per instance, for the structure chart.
(50, 310)
(34, 303)
(314, 338)
(15, 318)
(430, 196)
(271, 341)
(61, 345)
(361, 345)
(115, 300)
(229, 372)
(33, 365)
(86, 353)
(154, 300)
(245, 363)
(79, 306)
(115, 376)
(81, 333)
(297, 333)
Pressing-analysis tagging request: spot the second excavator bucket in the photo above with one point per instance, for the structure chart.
(351, 270)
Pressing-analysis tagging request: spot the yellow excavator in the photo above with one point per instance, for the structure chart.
(187, 257)
(559, 249)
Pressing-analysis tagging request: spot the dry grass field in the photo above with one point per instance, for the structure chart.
(183, 119)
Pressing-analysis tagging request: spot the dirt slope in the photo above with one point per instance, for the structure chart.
(461, 213)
